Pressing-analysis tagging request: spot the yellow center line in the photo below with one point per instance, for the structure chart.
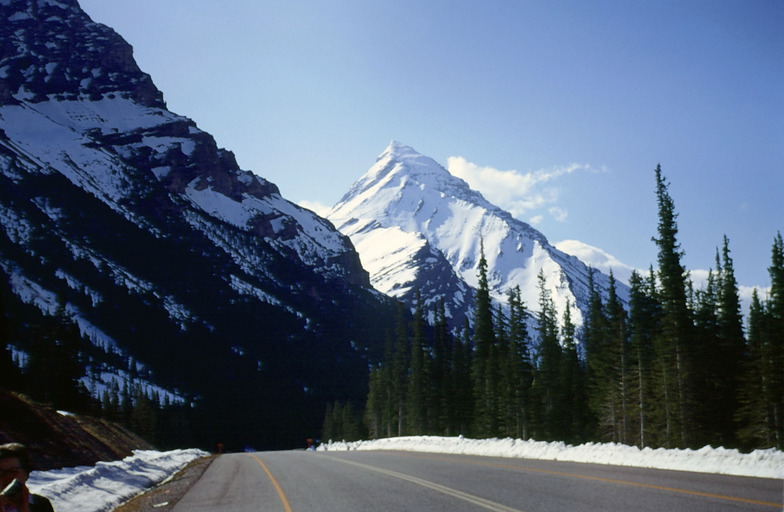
(601, 479)
(283, 499)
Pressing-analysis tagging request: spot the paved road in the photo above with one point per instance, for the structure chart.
(299, 481)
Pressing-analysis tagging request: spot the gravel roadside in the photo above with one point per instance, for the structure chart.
(165, 495)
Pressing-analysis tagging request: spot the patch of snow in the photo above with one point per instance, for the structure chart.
(248, 289)
(17, 228)
(107, 484)
(161, 172)
(19, 16)
(97, 381)
(33, 293)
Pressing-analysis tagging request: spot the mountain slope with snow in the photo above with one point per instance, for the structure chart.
(408, 200)
(154, 240)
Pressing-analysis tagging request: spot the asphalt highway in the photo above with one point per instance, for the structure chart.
(298, 481)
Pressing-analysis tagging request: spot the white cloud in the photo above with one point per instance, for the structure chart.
(604, 262)
(314, 206)
(517, 192)
(699, 279)
(558, 213)
(597, 258)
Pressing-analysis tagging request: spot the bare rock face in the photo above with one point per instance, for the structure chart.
(52, 49)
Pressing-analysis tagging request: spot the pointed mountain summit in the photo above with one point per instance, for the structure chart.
(417, 228)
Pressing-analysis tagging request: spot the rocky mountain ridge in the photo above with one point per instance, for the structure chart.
(160, 247)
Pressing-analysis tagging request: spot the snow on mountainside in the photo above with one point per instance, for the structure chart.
(158, 245)
(408, 214)
(101, 139)
(72, 101)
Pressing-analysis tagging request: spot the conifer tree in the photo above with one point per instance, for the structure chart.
(730, 350)
(619, 357)
(763, 398)
(707, 373)
(9, 373)
(571, 383)
(521, 368)
(484, 339)
(328, 432)
(415, 403)
(54, 369)
(776, 337)
(642, 326)
(462, 382)
(676, 323)
(756, 413)
(400, 366)
(548, 368)
(441, 378)
(374, 407)
(387, 394)
(594, 334)
(501, 376)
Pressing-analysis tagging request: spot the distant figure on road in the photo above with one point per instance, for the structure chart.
(15, 468)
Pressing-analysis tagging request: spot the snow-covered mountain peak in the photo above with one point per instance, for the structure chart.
(404, 178)
(405, 192)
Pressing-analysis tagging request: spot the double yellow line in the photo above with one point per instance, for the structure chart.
(281, 495)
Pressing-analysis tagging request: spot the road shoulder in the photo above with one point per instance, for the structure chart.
(165, 495)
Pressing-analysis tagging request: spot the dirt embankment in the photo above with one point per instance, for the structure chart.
(59, 440)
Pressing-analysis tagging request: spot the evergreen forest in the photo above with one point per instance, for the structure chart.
(676, 369)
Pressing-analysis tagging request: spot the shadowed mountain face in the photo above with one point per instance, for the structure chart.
(161, 248)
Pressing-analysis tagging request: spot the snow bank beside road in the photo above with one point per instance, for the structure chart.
(107, 484)
(759, 463)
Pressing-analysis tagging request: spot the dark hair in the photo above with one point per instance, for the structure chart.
(19, 451)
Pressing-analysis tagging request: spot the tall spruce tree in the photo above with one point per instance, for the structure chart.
(548, 369)
(520, 365)
(708, 373)
(593, 337)
(618, 359)
(54, 368)
(730, 349)
(776, 271)
(416, 400)
(400, 366)
(442, 394)
(374, 407)
(10, 377)
(462, 382)
(756, 414)
(571, 383)
(675, 350)
(484, 339)
(642, 325)
(501, 375)
(773, 344)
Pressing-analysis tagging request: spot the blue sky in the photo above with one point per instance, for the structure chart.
(558, 111)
